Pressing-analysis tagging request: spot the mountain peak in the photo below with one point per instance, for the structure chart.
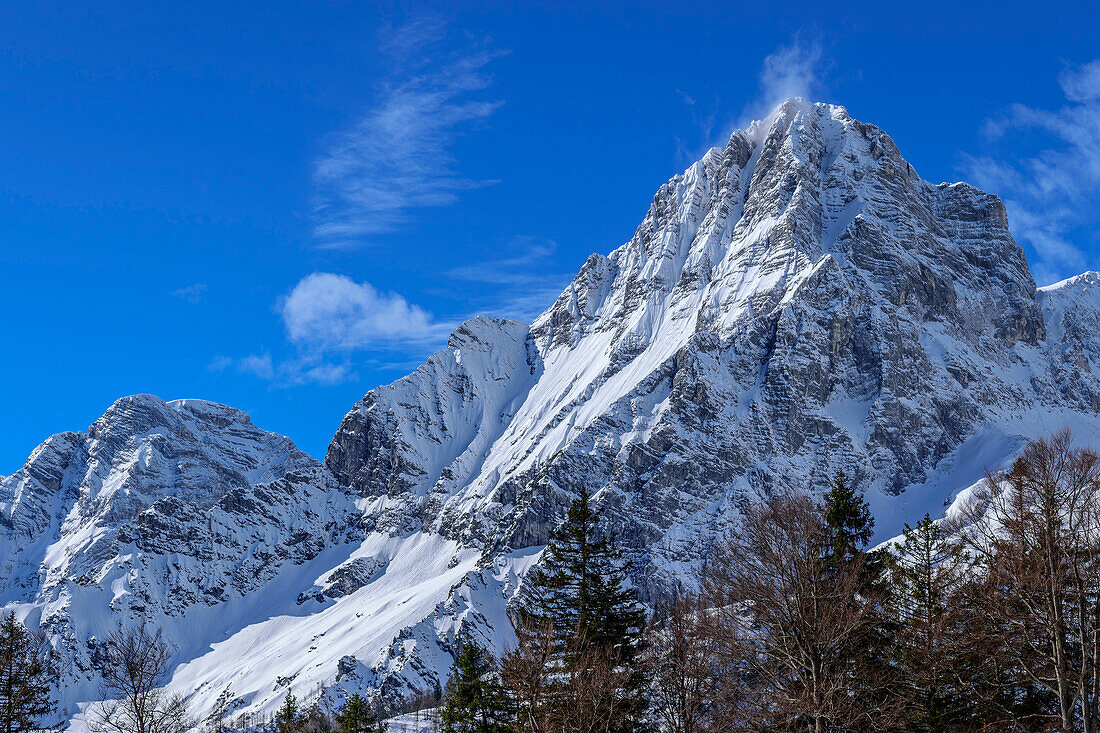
(745, 226)
(797, 302)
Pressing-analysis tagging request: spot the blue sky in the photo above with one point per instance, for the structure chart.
(281, 205)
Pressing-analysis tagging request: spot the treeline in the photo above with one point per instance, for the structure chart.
(986, 621)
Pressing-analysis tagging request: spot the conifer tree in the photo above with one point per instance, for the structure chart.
(927, 575)
(582, 588)
(582, 599)
(288, 718)
(473, 700)
(849, 518)
(25, 678)
(358, 716)
(850, 525)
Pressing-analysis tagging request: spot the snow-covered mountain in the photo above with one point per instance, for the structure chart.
(794, 303)
(798, 302)
(183, 513)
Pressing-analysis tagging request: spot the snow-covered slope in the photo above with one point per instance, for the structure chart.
(182, 513)
(796, 302)
(261, 569)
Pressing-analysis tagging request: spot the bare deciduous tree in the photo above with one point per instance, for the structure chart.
(578, 692)
(1036, 532)
(682, 661)
(134, 668)
(788, 623)
(589, 698)
(525, 673)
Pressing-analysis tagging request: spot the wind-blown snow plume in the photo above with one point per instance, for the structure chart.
(794, 70)
(789, 71)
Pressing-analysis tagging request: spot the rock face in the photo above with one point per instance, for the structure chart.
(795, 303)
(798, 302)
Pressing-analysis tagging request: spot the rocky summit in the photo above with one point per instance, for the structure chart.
(798, 302)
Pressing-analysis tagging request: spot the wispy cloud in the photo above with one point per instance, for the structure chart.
(192, 293)
(1052, 194)
(257, 365)
(398, 157)
(288, 373)
(521, 284)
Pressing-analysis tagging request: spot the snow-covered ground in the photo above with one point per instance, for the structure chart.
(420, 722)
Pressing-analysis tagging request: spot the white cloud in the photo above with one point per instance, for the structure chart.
(257, 365)
(192, 293)
(320, 373)
(1052, 194)
(329, 312)
(330, 319)
(1083, 83)
(398, 157)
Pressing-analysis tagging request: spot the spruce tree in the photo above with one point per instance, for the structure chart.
(849, 518)
(581, 597)
(473, 700)
(358, 716)
(870, 659)
(581, 588)
(927, 575)
(25, 678)
(288, 719)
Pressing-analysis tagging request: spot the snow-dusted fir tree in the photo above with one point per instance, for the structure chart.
(583, 619)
